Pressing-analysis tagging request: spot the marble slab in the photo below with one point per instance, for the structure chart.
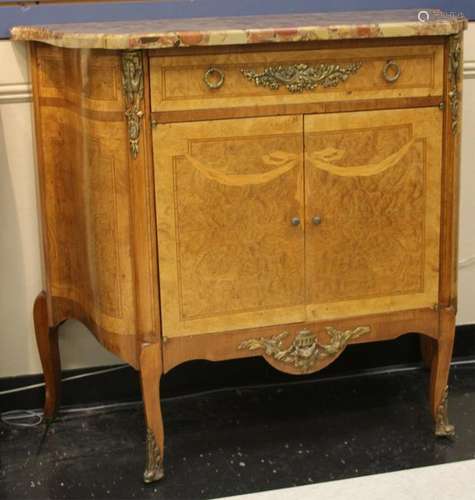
(156, 34)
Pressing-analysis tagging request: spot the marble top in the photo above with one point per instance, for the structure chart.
(156, 34)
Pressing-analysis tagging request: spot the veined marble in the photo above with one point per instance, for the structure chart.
(155, 34)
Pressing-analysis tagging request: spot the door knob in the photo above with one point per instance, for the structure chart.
(295, 221)
(317, 220)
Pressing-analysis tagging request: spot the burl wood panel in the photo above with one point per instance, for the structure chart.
(177, 82)
(227, 192)
(88, 195)
(374, 178)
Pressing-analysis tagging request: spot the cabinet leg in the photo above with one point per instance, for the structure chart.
(442, 355)
(150, 373)
(47, 341)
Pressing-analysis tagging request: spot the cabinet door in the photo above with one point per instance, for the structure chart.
(227, 193)
(372, 187)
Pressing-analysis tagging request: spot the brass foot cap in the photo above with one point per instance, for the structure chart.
(446, 430)
(150, 476)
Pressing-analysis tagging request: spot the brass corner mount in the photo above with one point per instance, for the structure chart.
(132, 81)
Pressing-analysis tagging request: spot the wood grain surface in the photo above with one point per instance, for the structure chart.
(97, 205)
(177, 83)
(227, 192)
(374, 179)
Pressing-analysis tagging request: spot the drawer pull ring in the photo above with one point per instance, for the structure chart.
(300, 77)
(295, 221)
(214, 83)
(305, 350)
(391, 71)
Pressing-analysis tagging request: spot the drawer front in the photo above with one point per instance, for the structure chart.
(294, 77)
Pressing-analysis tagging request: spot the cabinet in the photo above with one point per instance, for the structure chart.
(219, 189)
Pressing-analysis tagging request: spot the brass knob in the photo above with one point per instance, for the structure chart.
(391, 71)
(317, 220)
(214, 78)
(295, 221)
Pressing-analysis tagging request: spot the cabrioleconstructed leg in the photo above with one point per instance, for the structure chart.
(442, 355)
(150, 373)
(47, 341)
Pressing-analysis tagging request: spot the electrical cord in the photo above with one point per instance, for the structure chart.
(11, 417)
(66, 379)
(36, 416)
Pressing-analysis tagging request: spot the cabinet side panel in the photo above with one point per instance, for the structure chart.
(85, 189)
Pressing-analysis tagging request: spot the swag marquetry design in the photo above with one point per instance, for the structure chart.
(132, 78)
(305, 350)
(300, 77)
(256, 198)
(327, 159)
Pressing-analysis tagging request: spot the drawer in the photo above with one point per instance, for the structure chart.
(249, 79)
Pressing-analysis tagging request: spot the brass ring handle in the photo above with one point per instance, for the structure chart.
(214, 84)
(391, 71)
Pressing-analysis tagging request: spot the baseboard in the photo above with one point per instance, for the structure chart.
(198, 376)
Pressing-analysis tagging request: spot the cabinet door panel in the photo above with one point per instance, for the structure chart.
(374, 179)
(227, 191)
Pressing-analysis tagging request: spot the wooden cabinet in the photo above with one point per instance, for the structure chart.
(230, 189)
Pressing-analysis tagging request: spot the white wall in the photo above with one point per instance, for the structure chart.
(467, 196)
(20, 260)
